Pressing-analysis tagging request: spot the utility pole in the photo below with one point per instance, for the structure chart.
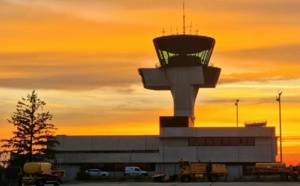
(278, 98)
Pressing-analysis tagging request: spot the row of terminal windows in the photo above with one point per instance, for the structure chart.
(222, 141)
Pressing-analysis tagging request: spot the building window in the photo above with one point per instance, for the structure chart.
(225, 141)
(217, 141)
(209, 141)
(251, 141)
(234, 141)
(192, 142)
(201, 141)
(222, 141)
(244, 141)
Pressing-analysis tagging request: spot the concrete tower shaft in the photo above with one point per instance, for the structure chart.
(183, 70)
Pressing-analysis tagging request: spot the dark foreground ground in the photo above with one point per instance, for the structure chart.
(186, 184)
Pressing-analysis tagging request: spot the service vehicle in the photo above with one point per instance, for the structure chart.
(97, 172)
(134, 171)
(40, 173)
(263, 169)
(198, 170)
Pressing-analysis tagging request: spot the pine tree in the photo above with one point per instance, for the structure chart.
(33, 139)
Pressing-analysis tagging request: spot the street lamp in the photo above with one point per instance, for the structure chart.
(280, 136)
(237, 112)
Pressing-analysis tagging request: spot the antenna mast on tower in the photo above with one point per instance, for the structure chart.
(183, 26)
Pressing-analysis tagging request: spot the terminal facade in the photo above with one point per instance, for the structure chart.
(184, 69)
(238, 148)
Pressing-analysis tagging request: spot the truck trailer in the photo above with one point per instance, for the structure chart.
(199, 170)
(267, 169)
(40, 173)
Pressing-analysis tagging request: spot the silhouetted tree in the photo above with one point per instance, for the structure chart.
(34, 138)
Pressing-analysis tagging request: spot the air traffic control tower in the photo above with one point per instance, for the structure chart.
(184, 68)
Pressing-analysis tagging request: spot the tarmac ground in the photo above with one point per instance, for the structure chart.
(183, 184)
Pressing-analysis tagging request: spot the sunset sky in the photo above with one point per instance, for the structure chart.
(82, 56)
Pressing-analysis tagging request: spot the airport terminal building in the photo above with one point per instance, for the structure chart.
(184, 69)
(239, 148)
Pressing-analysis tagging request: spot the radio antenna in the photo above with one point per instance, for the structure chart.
(183, 19)
(163, 31)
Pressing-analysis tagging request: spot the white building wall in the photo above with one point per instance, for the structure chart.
(236, 171)
(109, 158)
(175, 153)
(169, 147)
(172, 146)
(174, 141)
(107, 143)
(217, 154)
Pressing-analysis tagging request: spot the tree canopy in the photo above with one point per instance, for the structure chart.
(33, 139)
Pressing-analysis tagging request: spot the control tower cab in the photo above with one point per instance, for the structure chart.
(184, 68)
(184, 50)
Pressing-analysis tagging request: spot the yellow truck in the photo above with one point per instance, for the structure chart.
(40, 173)
(263, 169)
(212, 171)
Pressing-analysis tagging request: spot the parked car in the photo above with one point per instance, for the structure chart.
(134, 171)
(97, 172)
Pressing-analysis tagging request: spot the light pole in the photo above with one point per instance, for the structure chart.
(237, 112)
(280, 136)
(237, 125)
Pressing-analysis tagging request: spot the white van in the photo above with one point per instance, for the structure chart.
(134, 171)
